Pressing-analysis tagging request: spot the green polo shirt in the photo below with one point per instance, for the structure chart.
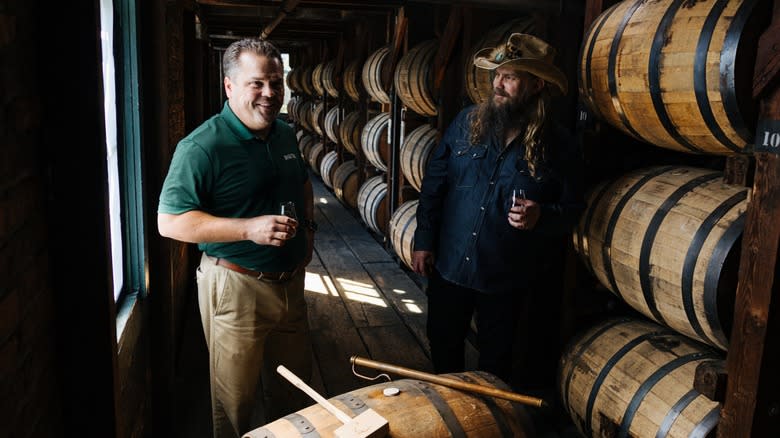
(221, 168)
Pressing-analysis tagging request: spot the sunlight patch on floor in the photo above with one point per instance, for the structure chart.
(412, 306)
(365, 293)
(355, 286)
(330, 285)
(320, 284)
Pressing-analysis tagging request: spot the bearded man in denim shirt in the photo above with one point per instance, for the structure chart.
(500, 191)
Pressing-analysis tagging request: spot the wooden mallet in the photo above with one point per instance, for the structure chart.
(368, 424)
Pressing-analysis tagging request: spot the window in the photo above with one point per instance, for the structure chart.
(109, 108)
(286, 61)
(122, 112)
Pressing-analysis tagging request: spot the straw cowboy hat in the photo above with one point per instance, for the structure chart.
(526, 53)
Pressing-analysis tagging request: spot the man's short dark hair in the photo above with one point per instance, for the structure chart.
(254, 45)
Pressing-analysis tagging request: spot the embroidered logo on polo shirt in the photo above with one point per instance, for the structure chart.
(289, 157)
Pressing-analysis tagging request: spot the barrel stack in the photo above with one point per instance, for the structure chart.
(664, 239)
(636, 376)
(323, 109)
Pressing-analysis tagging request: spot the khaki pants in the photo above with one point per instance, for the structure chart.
(250, 324)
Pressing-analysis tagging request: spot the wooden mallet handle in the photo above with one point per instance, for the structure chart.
(287, 374)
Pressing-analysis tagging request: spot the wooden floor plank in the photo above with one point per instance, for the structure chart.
(333, 348)
(326, 308)
(394, 344)
(353, 233)
(334, 338)
(404, 295)
(366, 249)
(365, 303)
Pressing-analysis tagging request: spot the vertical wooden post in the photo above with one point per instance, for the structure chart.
(738, 170)
(448, 73)
(752, 407)
(395, 182)
(395, 177)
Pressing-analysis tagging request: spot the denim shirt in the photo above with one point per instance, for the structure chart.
(465, 199)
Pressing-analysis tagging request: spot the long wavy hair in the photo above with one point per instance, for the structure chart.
(488, 119)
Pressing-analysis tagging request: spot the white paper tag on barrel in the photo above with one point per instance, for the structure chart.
(390, 131)
(666, 240)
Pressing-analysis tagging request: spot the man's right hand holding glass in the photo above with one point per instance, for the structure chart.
(272, 230)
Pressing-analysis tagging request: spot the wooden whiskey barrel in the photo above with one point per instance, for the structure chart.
(374, 141)
(636, 377)
(372, 75)
(316, 79)
(316, 155)
(330, 81)
(353, 84)
(420, 409)
(327, 167)
(415, 151)
(306, 80)
(291, 109)
(293, 83)
(372, 203)
(300, 112)
(332, 124)
(667, 241)
(479, 85)
(317, 117)
(403, 224)
(675, 74)
(414, 78)
(306, 144)
(349, 132)
(346, 183)
(304, 114)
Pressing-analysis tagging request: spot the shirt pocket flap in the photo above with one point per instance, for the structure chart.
(473, 151)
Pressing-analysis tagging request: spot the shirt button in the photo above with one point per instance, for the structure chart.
(474, 156)
(468, 259)
(492, 182)
(482, 208)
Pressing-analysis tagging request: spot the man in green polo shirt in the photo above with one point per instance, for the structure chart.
(223, 191)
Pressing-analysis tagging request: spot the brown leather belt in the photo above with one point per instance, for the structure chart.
(277, 277)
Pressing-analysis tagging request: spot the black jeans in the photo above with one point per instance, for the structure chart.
(450, 308)
(517, 333)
